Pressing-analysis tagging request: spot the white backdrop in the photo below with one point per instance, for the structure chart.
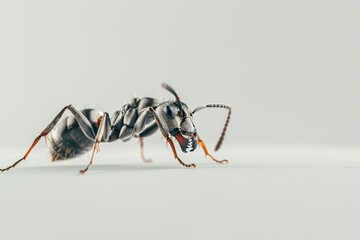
(290, 69)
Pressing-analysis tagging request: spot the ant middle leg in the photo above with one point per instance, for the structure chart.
(146, 160)
(103, 133)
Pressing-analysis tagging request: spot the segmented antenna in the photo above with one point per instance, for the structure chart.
(170, 89)
(221, 139)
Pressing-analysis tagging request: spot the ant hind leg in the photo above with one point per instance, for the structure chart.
(83, 122)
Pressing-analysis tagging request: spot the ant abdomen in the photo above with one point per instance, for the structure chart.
(67, 140)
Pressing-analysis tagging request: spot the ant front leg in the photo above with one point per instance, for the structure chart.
(208, 154)
(192, 165)
(166, 135)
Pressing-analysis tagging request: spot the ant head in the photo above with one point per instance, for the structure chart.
(177, 121)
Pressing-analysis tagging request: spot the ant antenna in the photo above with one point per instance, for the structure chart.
(170, 89)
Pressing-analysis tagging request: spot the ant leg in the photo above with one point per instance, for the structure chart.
(216, 105)
(166, 135)
(102, 134)
(24, 157)
(96, 149)
(192, 165)
(83, 122)
(140, 128)
(142, 152)
(208, 154)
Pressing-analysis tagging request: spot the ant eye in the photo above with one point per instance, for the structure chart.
(169, 112)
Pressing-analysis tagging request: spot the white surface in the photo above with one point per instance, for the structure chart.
(268, 192)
